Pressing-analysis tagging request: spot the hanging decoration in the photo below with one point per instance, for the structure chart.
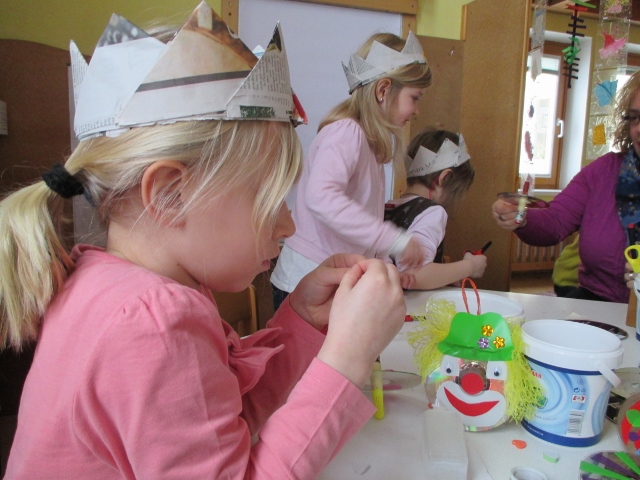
(610, 65)
(537, 38)
(570, 54)
(530, 121)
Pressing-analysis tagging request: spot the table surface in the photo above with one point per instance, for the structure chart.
(391, 448)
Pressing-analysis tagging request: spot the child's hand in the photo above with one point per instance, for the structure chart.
(368, 311)
(413, 255)
(313, 296)
(407, 280)
(478, 264)
(505, 213)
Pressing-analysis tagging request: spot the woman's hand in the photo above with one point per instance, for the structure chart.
(505, 213)
(629, 276)
(368, 311)
(313, 296)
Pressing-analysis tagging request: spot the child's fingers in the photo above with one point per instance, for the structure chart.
(343, 260)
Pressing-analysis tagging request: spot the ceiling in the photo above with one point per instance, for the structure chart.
(562, 5)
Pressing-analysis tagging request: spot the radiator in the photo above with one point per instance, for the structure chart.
(527, 258)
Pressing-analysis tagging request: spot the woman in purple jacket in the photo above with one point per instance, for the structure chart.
(602, 201)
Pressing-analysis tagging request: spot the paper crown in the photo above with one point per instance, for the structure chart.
(449, 155)
(205, 72)
(380, 61)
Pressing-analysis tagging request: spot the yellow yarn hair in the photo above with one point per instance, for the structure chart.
(521, 390)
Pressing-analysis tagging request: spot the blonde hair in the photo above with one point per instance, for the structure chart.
(621, 135)
(362, 106)
(34, 263)
(458, 182)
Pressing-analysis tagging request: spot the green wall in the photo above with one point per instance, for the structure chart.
(55, 22)
(440, 18)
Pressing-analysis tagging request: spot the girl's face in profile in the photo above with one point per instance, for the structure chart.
(405, 107)
(220, 248)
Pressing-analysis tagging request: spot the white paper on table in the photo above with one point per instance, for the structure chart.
(477, 469)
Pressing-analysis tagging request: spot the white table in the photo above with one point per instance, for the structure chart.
(391, 448)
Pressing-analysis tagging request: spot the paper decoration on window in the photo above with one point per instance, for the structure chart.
(539, 24)
(611, 45)
(537, 37)
(616, 7)
(528, 146)
(605, 92)
(570, 54)
(599, 135)
(610, 62)
(536, 63)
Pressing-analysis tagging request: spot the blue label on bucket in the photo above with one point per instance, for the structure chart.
(572, 410)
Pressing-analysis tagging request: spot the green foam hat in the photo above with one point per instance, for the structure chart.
(478, 337)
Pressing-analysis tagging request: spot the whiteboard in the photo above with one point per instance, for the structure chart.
(318, 38)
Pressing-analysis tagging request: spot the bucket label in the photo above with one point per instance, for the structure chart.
(572, 410)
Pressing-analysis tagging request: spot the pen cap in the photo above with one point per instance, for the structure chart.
(444, 447)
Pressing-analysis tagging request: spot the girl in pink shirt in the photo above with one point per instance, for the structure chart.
(135, 374)
(340, 198)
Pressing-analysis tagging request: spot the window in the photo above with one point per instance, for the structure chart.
(543, 119)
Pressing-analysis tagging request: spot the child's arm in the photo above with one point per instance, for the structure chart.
(436, 275)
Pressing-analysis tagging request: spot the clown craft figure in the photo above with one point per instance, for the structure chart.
(474, 365)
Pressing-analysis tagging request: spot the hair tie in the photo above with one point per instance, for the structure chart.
(62, 182)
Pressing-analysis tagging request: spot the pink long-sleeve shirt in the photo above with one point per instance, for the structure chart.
(340, 201)
(136, 376)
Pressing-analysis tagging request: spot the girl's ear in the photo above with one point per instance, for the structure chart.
(442, 176)
(383, 87)
(161, 187)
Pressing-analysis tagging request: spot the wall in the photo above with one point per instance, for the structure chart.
(55, 22)
(440, 18)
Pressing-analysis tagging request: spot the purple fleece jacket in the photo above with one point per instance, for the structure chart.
(588, 203)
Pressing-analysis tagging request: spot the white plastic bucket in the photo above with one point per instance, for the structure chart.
(489, 302)
(574, 363)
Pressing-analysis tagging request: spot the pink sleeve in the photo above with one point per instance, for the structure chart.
(322, 413)
(160, 400)
(301, 344)
(429, 229)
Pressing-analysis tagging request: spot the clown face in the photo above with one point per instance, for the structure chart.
(472, 388)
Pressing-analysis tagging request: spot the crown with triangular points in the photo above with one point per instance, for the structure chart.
(449, 155)
(205, 72)
(380, 61)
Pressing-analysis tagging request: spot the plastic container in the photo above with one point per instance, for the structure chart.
(445, 449)
(574, 363)
(636, 287)
(489, 302)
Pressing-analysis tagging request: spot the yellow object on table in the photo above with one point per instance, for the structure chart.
(377, 391)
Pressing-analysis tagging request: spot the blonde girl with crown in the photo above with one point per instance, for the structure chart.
(439, 174)
(340, 198)
(135, 374)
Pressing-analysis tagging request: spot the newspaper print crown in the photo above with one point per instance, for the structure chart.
(449, 155)
(205, 72)
(380, 61)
